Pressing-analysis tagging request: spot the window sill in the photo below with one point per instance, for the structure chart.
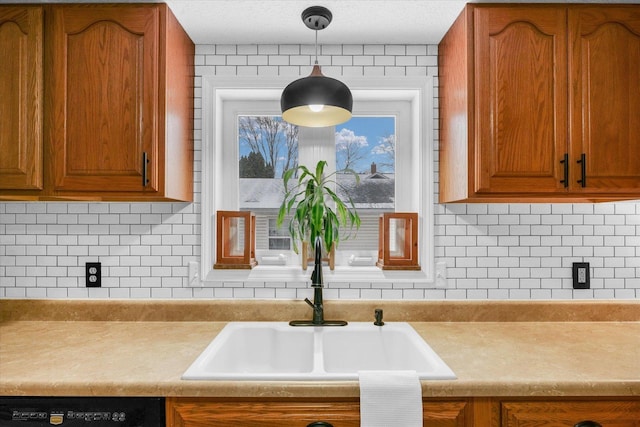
(343, 274)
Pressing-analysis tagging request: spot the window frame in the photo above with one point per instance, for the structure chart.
(316, 144)
(216, 91)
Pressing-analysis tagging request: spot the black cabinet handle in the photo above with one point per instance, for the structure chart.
(588, 424)
(145, 168)
(565, 163)
(320, 424)
(583, 170)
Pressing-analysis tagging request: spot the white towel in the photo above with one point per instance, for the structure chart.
(390, 399)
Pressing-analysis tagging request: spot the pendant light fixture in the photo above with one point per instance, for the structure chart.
(316, 100)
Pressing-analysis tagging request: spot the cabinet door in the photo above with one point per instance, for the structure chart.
(188, 412)
(103, 96)
(21, 98)
(203, 412)
(604, 55)
(446, 414)
(520, 99)
(623, 413)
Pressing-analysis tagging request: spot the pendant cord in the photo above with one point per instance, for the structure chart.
(316, 31)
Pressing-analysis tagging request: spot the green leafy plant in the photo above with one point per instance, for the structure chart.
(317, 209)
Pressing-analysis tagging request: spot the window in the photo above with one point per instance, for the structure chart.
(363, 155)
(279, 238)
(247, 146)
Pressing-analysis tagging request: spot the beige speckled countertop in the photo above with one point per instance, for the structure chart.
(145, 352)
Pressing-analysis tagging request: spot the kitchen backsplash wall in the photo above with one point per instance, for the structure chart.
(493, 251)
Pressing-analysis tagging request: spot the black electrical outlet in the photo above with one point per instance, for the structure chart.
(581, 275)
(93, 274)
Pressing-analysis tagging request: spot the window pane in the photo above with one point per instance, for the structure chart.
(366, 145)
(267, 146)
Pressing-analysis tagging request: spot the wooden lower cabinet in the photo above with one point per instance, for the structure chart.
(202, 412)
(454, 412)
(570, 413)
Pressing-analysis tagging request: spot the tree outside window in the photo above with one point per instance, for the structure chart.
(268, 146)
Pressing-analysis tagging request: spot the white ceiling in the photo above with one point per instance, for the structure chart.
(354, 21)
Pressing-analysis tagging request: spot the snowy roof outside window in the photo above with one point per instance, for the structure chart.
(375, 191)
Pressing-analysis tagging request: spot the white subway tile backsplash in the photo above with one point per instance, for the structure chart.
(492, 251)
(248, 49)
(382, 61)
(302, 60)
(331, 49)
(419, 50)
(427, 61)
(341, 61)
(417, 72)
(352, 50)
(373, 49)
(206, 49)
(228, 50)
(365, 60)
(407, 61)
(268, 49)
(279, 60)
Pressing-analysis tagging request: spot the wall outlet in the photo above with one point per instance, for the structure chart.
(581, 278)
(441, 275)
(93, 274)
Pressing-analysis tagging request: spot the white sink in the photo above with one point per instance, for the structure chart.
(274, 351)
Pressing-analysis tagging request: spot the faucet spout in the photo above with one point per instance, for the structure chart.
(316, 276)
(316, 284)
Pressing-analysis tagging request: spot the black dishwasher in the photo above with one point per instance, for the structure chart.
(82, 411)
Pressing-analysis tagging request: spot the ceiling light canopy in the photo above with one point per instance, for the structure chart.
(316, 100)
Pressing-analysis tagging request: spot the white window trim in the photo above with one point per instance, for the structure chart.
(217, 90)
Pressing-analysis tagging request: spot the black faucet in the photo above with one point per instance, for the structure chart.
(317, 305)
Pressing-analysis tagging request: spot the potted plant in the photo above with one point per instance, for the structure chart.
(316, 210)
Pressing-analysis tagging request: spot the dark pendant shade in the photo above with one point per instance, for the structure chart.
(300, 98)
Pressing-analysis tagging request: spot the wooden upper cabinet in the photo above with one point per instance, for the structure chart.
(525, 90)
(112, 118)
(521, 99)
(104, 97)
(109, 86)
(604, 67)
(21, 113)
